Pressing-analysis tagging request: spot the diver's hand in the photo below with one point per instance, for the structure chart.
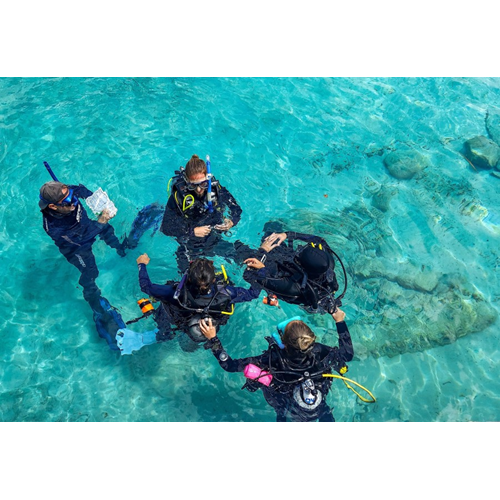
(338, 315)
(254, 263)
(272, 241)
(202, 231)
(281, 237)
(105, 217)
(228, 224)
(207, 328)
(143, 259)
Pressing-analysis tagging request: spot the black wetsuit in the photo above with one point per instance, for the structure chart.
(284, 276)
(181, 218)
(170, 312)
(74, 234)
(282, 393)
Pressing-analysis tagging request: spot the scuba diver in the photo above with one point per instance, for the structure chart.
(196, 215)
(293, 372)
(66, 221)
(303, 276)
(199, 294)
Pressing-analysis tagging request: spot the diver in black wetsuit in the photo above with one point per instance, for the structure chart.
(305, 276)
(298, 388)
(198, 222)
(198, 295)
(66, 221)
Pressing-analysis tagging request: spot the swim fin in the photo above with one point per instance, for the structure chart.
(107, 321)
(128, 340)
(148, 217)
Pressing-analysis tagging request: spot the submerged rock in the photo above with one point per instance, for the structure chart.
(482, 152)
(407, 320)
(414, 307)
(382, 198)
(405, 164)
(381, 194)
(407, 275)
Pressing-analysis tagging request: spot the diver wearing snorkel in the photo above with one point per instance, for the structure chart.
(195, 214)
(66, 221)
(293, 372)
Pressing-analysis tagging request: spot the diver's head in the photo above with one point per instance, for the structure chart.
(196, 176)
(58, 197)
(314, 261)
(201, 276)
(298, 337)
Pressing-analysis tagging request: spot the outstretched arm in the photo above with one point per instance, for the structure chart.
(308, 238)
(225, 361)
(345, 351)
(162, 292)
(239, 294)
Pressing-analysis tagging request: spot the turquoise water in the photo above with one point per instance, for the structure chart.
(422, 254)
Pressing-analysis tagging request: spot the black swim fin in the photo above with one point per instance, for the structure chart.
(149, 217)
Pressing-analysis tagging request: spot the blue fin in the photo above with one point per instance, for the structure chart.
(112, 312)
(148, 217)
(106, 329)
(107, 321)
(128, 340)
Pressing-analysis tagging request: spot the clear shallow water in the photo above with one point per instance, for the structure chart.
(421, 253)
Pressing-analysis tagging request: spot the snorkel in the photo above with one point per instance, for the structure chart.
(180, 286)
(47, 166)
(209, 190)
